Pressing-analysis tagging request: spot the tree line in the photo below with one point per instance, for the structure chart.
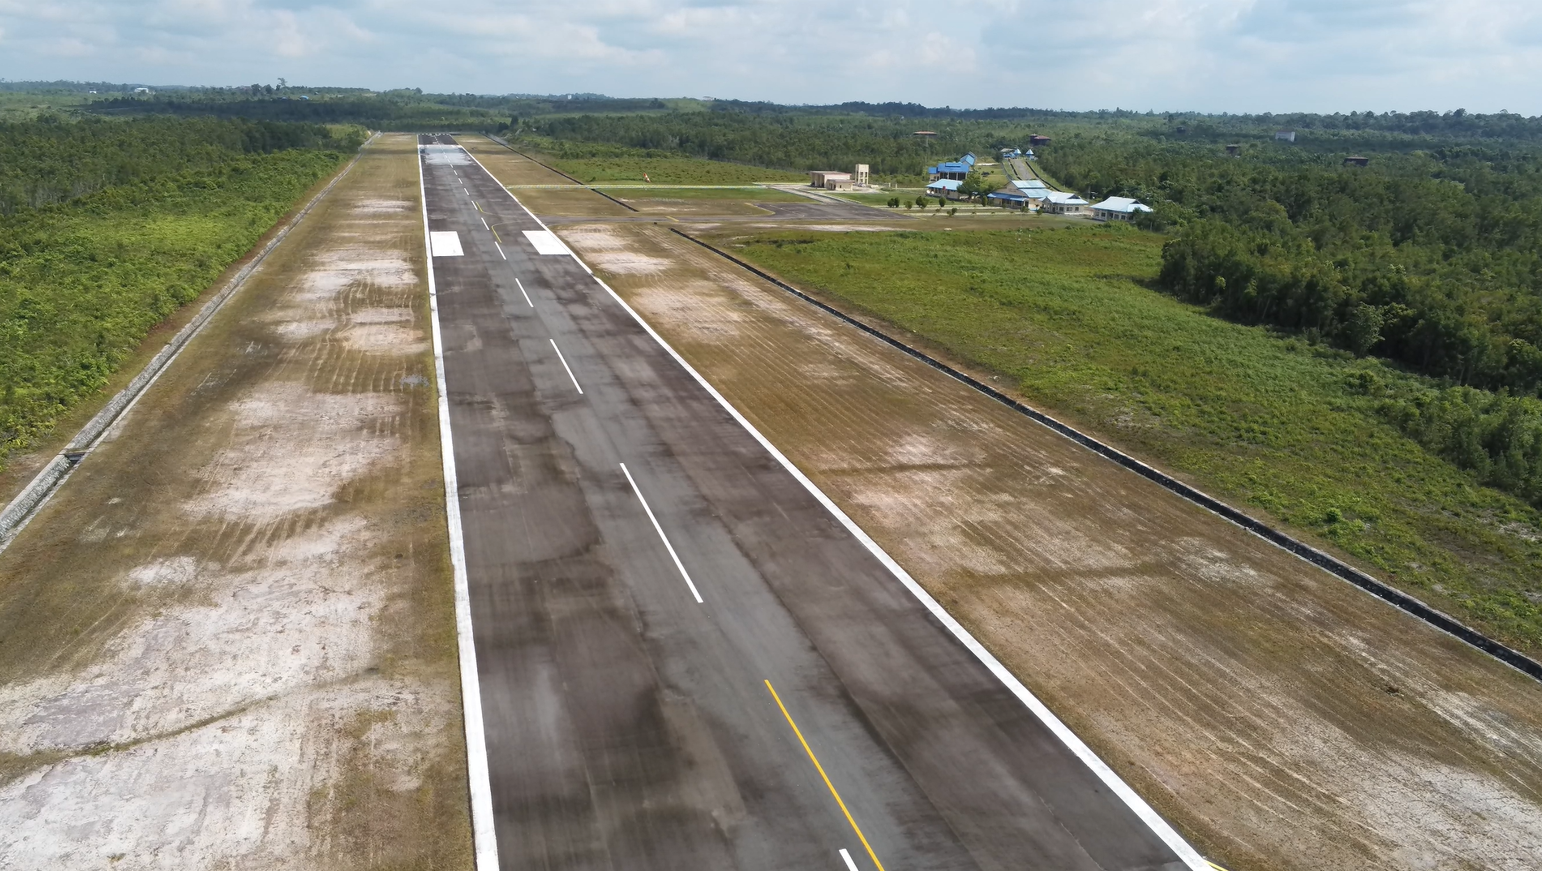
(111, 226)
(780, 141)
(1431, 258)
(48, 161)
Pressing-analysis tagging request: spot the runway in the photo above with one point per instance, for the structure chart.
(685, 660)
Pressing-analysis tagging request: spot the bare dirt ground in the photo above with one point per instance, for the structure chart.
(1279, 717)
(513, 169)
(228, 641)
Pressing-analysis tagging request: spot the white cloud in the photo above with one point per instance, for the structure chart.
(939, 50)
(1232, 55)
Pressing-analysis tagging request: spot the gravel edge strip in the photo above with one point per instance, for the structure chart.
(1340, 569)
(32, 497)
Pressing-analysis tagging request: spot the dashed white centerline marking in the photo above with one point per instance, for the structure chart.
(660, 530)
(850, 865)
(484, 223)
(500, 251)
(522, 289)
(563, 360)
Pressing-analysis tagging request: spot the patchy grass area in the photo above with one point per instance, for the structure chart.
(882, 198)
(667, 170)
(25, 105)
(752, 194)
(1270, 423)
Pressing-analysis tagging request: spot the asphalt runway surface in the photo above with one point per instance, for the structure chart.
(686, 661)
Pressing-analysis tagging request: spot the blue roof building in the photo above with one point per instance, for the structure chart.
(944, 187)
(954, 170)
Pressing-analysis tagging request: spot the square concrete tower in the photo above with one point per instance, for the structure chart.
(859, 178)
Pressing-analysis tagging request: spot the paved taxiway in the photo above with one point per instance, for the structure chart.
(685, 660)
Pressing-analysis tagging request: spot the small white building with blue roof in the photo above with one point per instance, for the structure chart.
(1118, 209)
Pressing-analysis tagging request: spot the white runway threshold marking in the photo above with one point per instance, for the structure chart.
(662, 537)
(564, 362)
(546, 242)
(445, 243)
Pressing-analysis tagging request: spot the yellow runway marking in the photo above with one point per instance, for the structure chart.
(821, 770)
(495, 235)
(474, 203)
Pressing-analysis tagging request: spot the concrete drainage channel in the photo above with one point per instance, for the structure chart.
(1337, 567)
(21, 509)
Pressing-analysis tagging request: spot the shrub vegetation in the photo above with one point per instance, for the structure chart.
(111, 226)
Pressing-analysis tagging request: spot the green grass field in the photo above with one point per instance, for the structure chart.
(668, 170)
(739, 194)
(22, 105)
(1270, 423)
(879, 199)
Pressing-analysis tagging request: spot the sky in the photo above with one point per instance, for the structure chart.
(1166, 55)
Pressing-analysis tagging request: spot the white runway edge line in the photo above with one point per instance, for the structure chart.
(660, 530)
(1175, 842)
(564, 361)
(484, 841)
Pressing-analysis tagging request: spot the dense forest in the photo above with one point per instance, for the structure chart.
(406, 109)
(1431, 257)
(111, 226)
(47, 161)
(780, 141)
